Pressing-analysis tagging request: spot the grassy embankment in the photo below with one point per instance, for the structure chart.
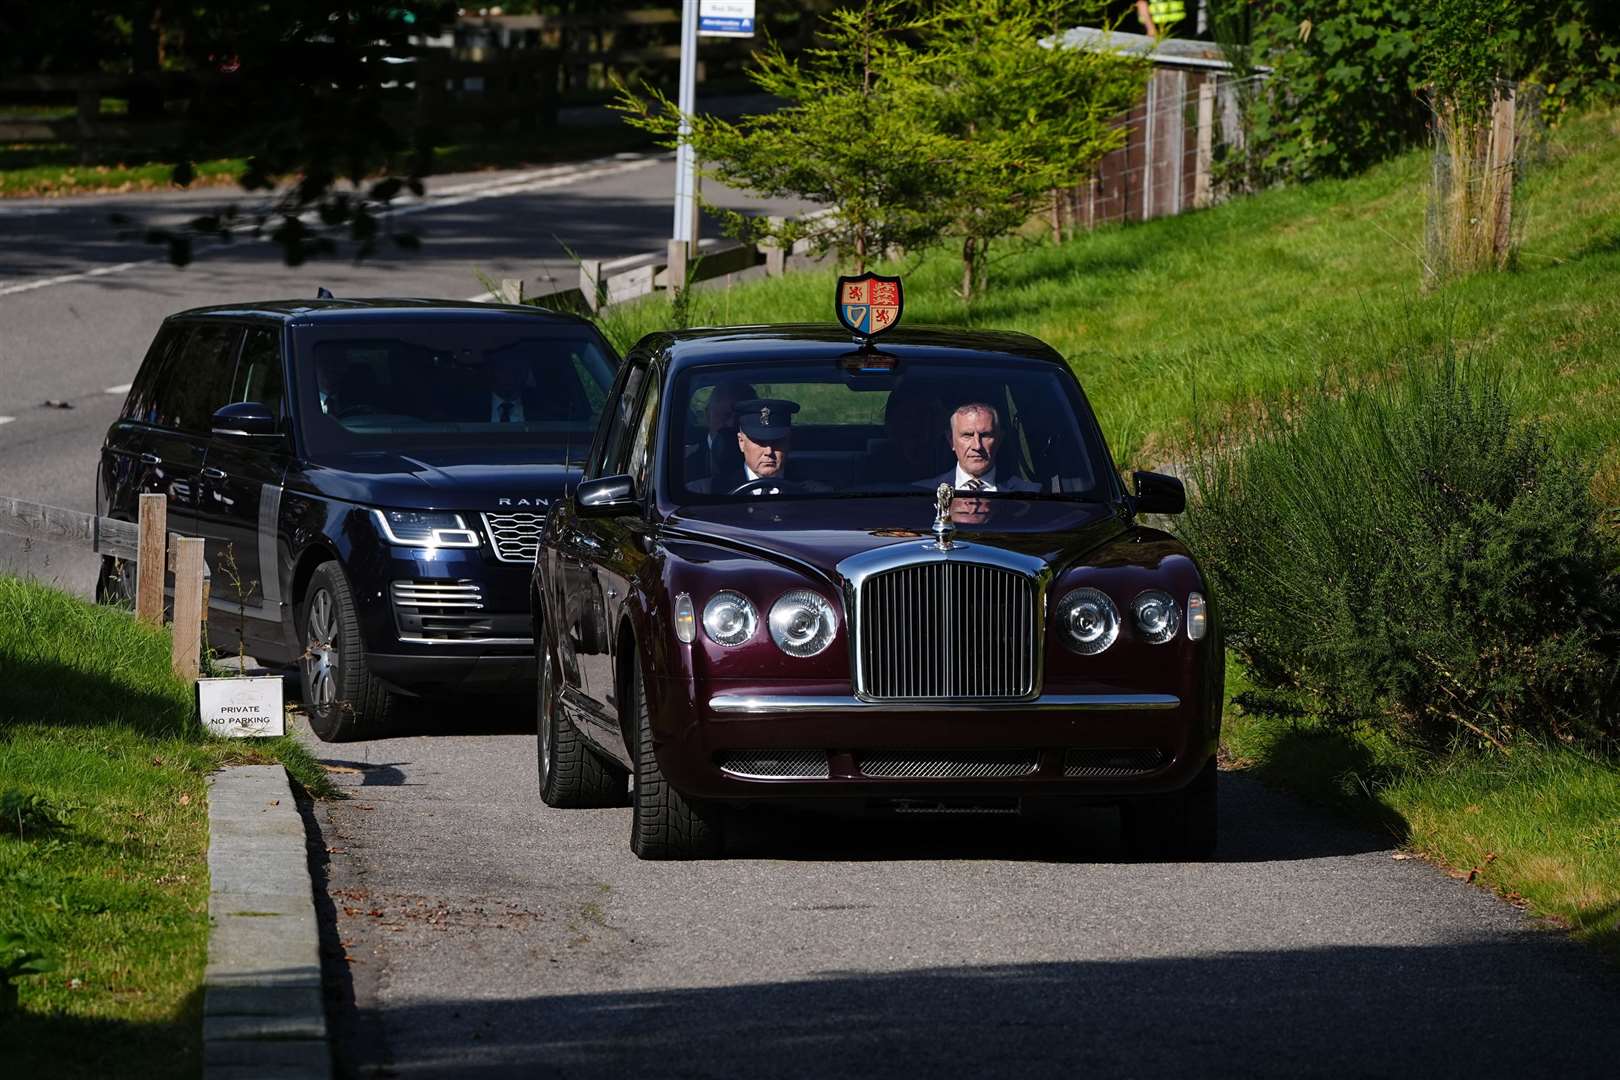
(104, 843)
(1201, 321)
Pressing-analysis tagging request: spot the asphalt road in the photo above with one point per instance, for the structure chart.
(79, 304)
(474, 932)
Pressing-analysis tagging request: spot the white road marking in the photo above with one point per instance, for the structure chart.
(455, 195)
(481, 298)
(121, 388)
(66, 279)
(6, 419)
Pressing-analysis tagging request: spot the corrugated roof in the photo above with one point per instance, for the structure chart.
(1174, 52)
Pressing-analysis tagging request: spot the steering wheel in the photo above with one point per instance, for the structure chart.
(763, 483)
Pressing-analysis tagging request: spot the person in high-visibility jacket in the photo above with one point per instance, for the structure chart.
(1158, 16)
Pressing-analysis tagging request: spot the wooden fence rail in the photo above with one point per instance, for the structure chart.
(156, 553)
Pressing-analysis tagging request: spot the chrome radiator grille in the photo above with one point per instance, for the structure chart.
(948, 630)
(440, 610)
(776, 764)
(948, 764)
(1104, 763)
(515, 537)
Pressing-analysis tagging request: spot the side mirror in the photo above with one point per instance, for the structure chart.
(606, 496)
(246, 419)
(1157, 493)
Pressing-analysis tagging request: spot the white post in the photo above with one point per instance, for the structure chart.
(685, 166)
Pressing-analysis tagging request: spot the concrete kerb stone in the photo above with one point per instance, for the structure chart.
(263, 1011)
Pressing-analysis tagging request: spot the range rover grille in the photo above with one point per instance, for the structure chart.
(441, 610)
(948, 631)
(515, 536)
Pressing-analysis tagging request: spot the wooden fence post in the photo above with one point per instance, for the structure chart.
(1500, 165)
(511, 291)
(775, 253)
(676, 274)
(590, 282)
(188, 606)
(1206, 143)
(151, 559)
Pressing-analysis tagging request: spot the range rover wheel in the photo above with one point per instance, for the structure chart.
(115, 585)
(664, 824)
(345, 701)
(1181, 826)
(572, 775)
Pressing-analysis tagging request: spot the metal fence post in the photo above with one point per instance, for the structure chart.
(151, 559)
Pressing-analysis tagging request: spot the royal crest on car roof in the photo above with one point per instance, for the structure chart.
(869, 304)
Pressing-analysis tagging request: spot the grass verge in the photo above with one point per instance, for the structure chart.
(103, 856)
(1540, 826)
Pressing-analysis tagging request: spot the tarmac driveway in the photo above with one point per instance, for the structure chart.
(472, 931)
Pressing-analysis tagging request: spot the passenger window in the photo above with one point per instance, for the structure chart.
(641, 448)
(608, 457)
(258, 372)
(198, 381)
(142, 404)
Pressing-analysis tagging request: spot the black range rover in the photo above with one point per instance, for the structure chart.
(371, 477)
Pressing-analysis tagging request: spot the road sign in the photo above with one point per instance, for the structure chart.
(726, 18)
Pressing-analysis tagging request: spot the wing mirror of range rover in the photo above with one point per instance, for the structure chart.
(246, 420)
(606, 496)
(1157, 493)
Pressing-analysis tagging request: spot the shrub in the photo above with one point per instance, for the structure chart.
(1411, 553)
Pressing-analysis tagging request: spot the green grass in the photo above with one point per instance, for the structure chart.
(103, 738)
(1210, 314)
(1203, 321)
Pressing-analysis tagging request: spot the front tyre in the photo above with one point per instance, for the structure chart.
(344, 699)
(664, 823)
(1181, 826)
(572, 776)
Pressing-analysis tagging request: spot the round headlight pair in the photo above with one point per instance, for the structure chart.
(1089, 622)
(802, 622)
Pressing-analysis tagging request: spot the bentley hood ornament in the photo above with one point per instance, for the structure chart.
(944, 528)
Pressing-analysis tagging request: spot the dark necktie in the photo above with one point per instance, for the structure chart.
(506, 412)
(975, 484)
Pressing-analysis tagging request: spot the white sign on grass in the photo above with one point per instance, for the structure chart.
(242, 708)
(726, 18)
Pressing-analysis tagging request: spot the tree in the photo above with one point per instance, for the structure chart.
(846, 137)
(1024, 116)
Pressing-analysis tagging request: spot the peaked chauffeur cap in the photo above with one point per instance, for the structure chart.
(766, 419)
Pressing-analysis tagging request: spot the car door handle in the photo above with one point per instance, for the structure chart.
(214, 474)
(151, 459)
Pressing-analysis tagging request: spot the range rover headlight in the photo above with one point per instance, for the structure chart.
(1087, 621)
(424, 528)
(802, 623)
(729, 618)
(1157, 616)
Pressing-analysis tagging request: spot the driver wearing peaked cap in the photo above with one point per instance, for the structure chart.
(765, 436)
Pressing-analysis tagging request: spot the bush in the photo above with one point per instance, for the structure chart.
(1412, 554)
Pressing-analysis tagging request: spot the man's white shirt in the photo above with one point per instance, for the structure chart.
(987, 482)
(495, 403)
(752, 476)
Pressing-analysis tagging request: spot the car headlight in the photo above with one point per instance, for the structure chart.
(802, 623)
(424, 528)
(1088, 621)
(1157, 616)
(729, 618)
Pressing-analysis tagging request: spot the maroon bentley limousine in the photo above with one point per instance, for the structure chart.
(890, 576)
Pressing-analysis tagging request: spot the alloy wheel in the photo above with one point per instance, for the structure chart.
(548, 764)
(321, 655)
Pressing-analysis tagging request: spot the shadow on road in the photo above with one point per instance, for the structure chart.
(1526, 1006)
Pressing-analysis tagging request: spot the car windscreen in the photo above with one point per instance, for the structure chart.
(506, 385)
(997, 425)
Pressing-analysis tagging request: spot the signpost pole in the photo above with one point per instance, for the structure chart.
(685, 166)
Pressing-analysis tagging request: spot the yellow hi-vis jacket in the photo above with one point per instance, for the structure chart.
(1166, 13)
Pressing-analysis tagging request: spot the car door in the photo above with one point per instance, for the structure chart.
(580, 550)
(239, 502)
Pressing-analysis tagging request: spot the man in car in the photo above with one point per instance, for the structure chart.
(718, 453)
(765, 437)
(975, 437)
(511, 400)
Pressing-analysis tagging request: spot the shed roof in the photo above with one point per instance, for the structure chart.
(1169, 52)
